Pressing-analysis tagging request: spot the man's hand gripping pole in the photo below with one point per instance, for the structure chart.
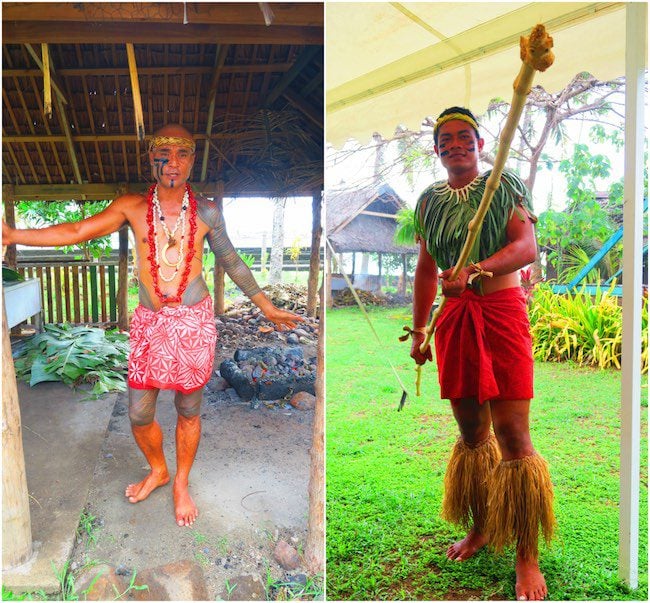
(536, 55)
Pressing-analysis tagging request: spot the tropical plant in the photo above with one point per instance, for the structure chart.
(38, 214)
(405, 231)
(75, 355)
(581, 328)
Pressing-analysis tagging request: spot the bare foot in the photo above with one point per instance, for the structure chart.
(137, 492)
(465, 548)
(184, 507)
(530, 585)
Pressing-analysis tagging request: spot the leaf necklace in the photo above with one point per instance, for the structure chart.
(155, 215)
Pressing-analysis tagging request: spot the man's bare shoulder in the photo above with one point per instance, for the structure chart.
(130, 199)
(208, 210)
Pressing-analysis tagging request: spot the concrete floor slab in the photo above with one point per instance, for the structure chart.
(62, 438)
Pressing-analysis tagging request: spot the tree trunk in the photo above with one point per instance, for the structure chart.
(16, 520)
(314, 260)
(315, 547)
(219, 273)
(277, 242)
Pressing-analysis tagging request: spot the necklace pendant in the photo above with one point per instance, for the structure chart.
(171, 241)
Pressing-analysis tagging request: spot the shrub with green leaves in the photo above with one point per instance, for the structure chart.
(581, 328)
(75, 355)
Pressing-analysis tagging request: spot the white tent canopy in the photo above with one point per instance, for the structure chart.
(391, 64)
(398, 63)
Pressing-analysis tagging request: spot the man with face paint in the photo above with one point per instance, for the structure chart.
(496, 486)
(172, 333)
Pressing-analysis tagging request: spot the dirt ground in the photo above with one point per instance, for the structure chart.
(249, 482)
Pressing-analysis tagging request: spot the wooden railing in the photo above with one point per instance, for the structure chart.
(76, 292)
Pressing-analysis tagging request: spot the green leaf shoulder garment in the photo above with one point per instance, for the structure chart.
(442, 215)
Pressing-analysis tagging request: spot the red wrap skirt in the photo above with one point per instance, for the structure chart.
(172, 348)
(484, 347)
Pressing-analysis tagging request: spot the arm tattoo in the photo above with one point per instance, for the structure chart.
(224, 250)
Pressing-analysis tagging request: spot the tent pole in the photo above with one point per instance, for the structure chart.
(635, 29)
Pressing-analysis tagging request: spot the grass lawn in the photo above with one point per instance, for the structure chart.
(385, 538)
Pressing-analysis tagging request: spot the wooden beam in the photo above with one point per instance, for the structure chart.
(218, 63)
(24, 32)
(170, 70)
(378, 214)
(234, 13)
(303, 105)
(102, 192)
(105, 138)
(135, 87)
(303, 60)
(47, 82)
(65, 124)
(16, 520)
(37, 59)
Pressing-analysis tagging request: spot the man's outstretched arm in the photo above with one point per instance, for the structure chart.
(69, 233)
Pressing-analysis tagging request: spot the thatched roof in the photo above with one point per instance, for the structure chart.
(362, 219)
(252, 94)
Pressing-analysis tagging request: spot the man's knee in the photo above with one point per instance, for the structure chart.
(188, 405)
(142, 406)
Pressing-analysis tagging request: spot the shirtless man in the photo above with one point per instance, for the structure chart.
(173, 331)
(496, 487)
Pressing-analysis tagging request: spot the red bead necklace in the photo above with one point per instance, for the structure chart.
(154, 267)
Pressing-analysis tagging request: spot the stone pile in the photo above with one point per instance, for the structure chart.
(243, 325)
(269, 373)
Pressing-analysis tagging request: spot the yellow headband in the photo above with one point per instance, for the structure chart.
(161, 141)
(445, 118)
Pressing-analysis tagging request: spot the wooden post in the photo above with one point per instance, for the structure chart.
(9, 195)
(402, 284)
(328, 280)
(314, 260)
(123, 280)
(379, 283)
(315, 547)
(219, 273)
(16, 520)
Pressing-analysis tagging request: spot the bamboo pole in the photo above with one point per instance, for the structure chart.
(135, 87)
(536, 55)
(47, 83)
(16, 520)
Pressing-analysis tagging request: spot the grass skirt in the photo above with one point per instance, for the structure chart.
(520, 501)
(466, 482)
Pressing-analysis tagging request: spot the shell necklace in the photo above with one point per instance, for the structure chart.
(154, 215)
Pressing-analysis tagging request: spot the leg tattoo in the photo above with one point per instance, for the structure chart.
(148, 436)
(188, 434)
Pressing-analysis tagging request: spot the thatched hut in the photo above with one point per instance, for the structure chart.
(362, 220)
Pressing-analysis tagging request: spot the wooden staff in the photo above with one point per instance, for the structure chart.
(536, 55)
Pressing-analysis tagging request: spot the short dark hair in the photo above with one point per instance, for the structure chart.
(461, 110)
